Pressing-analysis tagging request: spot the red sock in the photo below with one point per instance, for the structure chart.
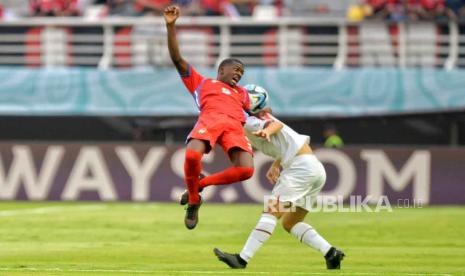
(192, 168)
(231, 175)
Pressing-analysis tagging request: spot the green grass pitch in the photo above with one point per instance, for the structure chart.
(150, 239)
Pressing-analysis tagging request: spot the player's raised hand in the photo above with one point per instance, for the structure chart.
(171, 14)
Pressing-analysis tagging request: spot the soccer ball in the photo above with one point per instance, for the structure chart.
(258, 97)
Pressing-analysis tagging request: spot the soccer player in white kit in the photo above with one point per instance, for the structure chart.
(298, 177)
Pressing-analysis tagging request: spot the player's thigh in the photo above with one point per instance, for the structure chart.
(240, 157)
(198, 145)
(236, 145)
(204, 135)
(289, 219)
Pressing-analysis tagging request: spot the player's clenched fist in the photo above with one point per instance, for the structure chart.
(171, 13)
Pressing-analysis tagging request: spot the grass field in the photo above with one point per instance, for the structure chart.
(150, 239)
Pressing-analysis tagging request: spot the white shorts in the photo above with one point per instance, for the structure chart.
(301, 181)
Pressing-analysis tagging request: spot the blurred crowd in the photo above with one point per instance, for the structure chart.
(412, 10)
(354, 9)
(20, 8)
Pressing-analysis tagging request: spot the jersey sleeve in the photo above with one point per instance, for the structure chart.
(254, 124)
(192, 79)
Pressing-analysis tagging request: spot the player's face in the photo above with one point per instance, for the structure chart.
(231, 73)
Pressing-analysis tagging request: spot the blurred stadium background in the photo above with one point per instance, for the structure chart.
(92, 109)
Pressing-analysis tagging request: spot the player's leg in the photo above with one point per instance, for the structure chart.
(241, 170)
(300, 184)
(258, 236)
(201, 140)
(235, 144)
(293, 222)
(192, 168)
(240, 157)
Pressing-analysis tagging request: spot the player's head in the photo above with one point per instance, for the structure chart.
(230, 71)
(258, 97)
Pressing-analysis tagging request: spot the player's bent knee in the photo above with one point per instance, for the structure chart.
(192, 156)
(246, 172)
(287, 225)
(243, 173)
(289, 220)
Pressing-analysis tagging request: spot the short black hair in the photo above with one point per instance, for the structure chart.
(229, 61)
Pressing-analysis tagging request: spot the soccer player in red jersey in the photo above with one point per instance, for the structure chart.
(222, 104)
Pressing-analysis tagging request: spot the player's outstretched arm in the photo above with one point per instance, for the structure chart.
(269, 130)
(171, 14)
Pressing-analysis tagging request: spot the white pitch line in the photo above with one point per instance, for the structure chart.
(48, 210)
(211, 272)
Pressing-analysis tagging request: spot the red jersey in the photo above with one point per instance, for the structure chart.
(216, 97)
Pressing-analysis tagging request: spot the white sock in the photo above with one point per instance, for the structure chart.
(306, 234)
(258, 236)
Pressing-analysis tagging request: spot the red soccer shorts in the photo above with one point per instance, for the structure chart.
(223, 130)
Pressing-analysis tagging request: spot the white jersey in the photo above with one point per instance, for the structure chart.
(284, 144)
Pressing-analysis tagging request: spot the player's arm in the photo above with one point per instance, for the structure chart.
(171, 14)
(271, 127)
(263, 126)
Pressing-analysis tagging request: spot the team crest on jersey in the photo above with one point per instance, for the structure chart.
(226, 91)
(202, 130)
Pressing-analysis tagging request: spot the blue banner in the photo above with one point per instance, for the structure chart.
(293, 91)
